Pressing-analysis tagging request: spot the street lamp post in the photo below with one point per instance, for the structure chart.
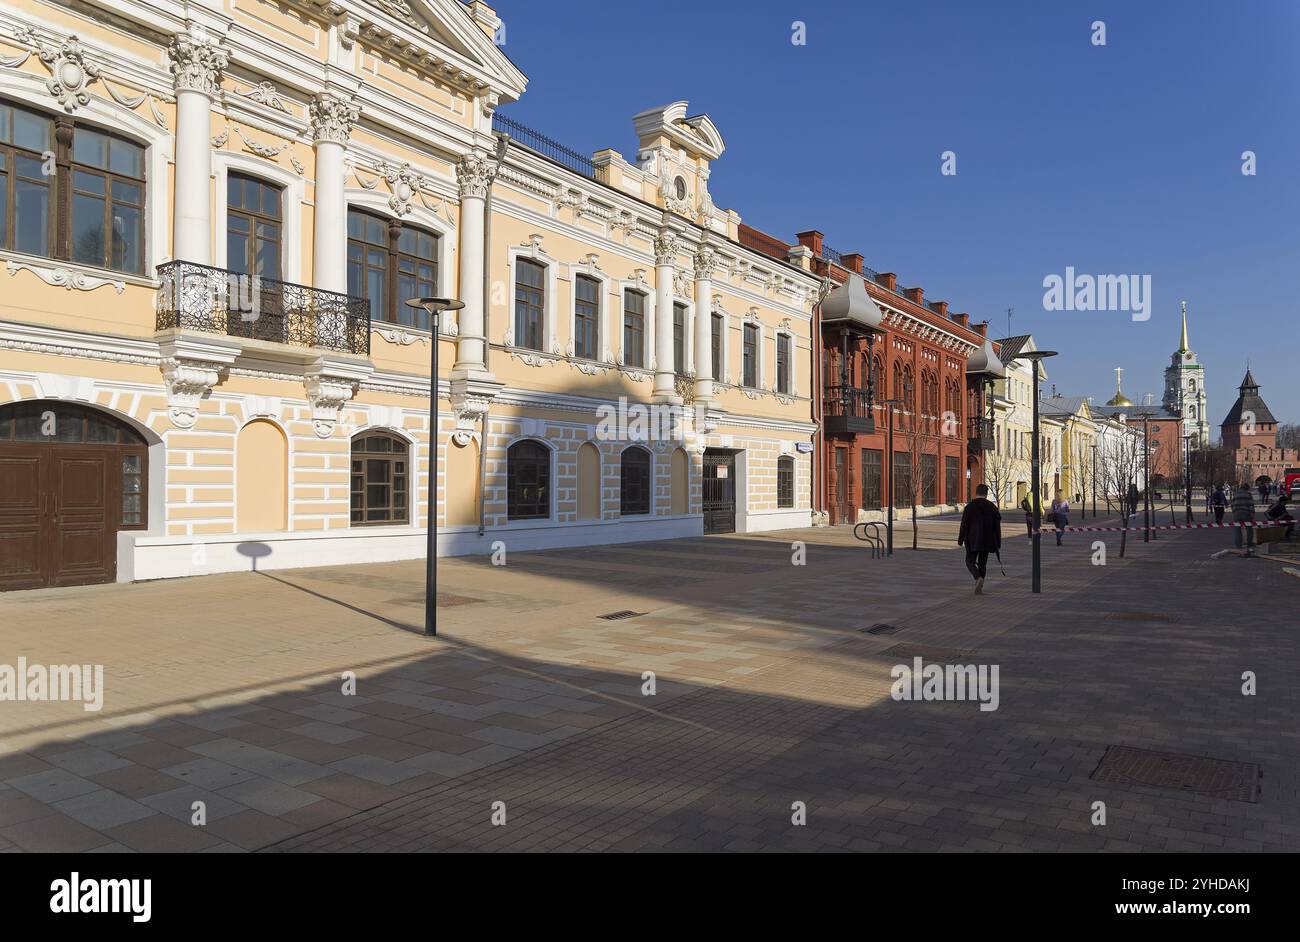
(1187, 473)
(1146, 474)
(433, 307)
(1037, 356)
(889, 447)
(1094, 482)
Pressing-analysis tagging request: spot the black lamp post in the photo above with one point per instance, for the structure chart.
(1037, 356)
(893, 466)
(1187, 473)
(1094, 482)
(1146, 474)
(433, 307)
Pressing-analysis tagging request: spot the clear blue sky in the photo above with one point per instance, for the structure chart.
(1122, 159)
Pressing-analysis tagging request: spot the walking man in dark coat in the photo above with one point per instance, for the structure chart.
(980, 533)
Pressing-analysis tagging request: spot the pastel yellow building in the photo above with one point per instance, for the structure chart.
(211, 217)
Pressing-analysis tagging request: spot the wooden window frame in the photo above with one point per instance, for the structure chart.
(400, 453)
(394, 309)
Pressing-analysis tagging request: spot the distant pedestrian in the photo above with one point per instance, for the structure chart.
(1060, 515)
(1219, 501)
(1263, 493)
(1132, 499)
(1243, 511)
(1029, 516)
(1281, 514)
(980, 533)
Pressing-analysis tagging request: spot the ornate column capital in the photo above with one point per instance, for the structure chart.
(332, 117)
(474, 173)
(666, 247)
(196, 64)
(705, 258)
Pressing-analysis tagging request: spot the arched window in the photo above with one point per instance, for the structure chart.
(528, 481)
(634, 482)
(96, 184)
(380, 479)
(784, 482)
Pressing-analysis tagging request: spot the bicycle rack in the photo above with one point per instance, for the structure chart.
(869, 532)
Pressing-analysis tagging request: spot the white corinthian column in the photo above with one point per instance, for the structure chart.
(332, 117)
(665, 389)
(704, 365)
(196, 67)
(474, 174)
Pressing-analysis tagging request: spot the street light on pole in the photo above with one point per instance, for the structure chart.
(1187, 473)
(433, 307)
(1145, 416)
(1094, 483)
(889, 446)
(1036, 357)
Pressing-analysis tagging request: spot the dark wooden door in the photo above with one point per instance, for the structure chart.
(57, 505)
(80, 537)
(23, 500)
(719, 492)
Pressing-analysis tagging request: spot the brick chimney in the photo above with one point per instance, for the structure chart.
(853, 262)
(962, 319)
(915, 294)
(940, 307)
(983, 328)
(888, 280)
(811, 239)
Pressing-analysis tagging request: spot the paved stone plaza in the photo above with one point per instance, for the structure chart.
(227, 689)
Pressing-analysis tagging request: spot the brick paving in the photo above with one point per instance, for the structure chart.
(226, 690)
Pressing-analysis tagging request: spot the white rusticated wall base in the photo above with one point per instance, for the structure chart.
(167, 557)
(755, 521)
(465, 541)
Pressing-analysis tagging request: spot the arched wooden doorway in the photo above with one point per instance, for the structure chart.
(70, 477)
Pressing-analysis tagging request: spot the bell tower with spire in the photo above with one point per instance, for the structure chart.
(1185, 389)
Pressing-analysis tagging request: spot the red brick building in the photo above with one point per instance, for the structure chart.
(918, 356)
(1249, 434)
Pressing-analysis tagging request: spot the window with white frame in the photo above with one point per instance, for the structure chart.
(633, 328)
(586, 317)
(784, 350)
(749, 356)
(679, 339)
(717, 339)
(530, 303)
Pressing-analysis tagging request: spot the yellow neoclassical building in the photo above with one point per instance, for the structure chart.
(211, 216)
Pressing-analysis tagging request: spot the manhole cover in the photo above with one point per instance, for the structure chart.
(883, 629)
(927, 653)
(1216, 778)
(447, 600)
(1139, 616)
(618, 616)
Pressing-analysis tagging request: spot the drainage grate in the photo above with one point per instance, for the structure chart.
(616, 616)
(883, 629)
(1139, 616)
(927, 653)
(1215, 778)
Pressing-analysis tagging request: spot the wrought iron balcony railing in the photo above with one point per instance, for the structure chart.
(541, 144)
(217, 301)
(981, 434)
(845, 411)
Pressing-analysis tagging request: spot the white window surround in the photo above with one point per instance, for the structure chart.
(760, 373)
(688, 337)
(377, 204)
(641, 287)
(720, 376)
(551, 514)
(794, 360)
(292, 194)
(587, 269)
(535, 253)
(415, 449)
(30, 89)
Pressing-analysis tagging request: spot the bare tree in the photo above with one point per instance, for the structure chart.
(999, 471)
(921, 477)
(1119, 459)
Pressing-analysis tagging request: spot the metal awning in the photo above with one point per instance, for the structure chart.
(850, 306)
(985, 360)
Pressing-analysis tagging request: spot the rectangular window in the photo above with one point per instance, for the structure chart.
(749, 357)
(586, 317)
(390, 263)
(679, 339)
(633, 328)
(530, 299)
(716, 340)
(871, 478)
(252, 227)
(930, 479)
(783, 363)
(951, 481)
(902, 479)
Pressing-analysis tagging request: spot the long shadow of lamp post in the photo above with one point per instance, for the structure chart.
(434, 307)
(1037, 356)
